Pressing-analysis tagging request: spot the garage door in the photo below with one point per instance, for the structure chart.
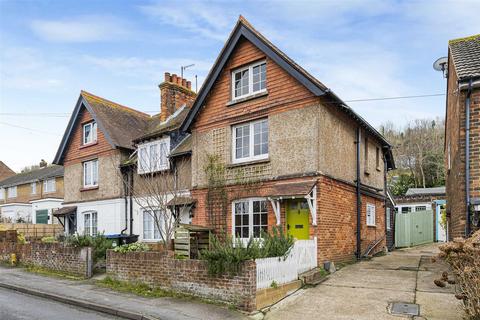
(42, 216)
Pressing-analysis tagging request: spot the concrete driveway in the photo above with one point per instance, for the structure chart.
(365, 290)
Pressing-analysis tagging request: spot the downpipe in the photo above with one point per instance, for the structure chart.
(467, 157)
(359, 200)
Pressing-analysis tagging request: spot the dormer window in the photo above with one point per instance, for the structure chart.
(89, 132)
(249, 80)
(153, 156)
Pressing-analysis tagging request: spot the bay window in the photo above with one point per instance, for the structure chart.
(250, 141)
(90, 173)
(249, 218)
(249, 80)
(153, 156)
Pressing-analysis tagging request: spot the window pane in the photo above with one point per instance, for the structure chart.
(95, 172)
(241, 220)
(94, 131)
(143, 159)
(94, 224)
(156, 221)
(86, 133)
(87, 175)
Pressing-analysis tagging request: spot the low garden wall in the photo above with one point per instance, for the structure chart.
(53, 256)
(162, 270)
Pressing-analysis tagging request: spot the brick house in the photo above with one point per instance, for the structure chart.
(32, 196)
(100, 144)
(462, 136)
(5, 171)
(286, 151)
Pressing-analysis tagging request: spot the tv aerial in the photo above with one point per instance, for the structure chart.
(441, 65)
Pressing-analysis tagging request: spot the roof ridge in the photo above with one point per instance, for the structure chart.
(91, 95)
(468, 38)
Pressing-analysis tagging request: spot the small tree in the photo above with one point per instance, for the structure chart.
(159, 189)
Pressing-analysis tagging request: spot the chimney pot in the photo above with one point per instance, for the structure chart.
(167, 76)
(174, 78)
(184, 82)
(179, 81)
(189, 84)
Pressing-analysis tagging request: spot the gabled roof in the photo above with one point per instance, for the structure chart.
(119, 124)
(244, 30)
(5, 171)
(31, 176)
(157, 128)
(465, 54)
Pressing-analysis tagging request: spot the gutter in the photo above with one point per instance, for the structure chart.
(359, 200)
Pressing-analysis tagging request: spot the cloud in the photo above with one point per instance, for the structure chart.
(89, 28)
(209, 20)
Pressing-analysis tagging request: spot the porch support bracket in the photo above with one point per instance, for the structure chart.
(276, 208)
(312, 204)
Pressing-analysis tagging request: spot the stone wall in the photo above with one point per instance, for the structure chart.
(53, 256)
(159, 269)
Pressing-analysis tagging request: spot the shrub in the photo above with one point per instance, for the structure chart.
(99, 243)
(132, 247)
(21, 238)
(464, 258)
(49, 239)
(227, 256)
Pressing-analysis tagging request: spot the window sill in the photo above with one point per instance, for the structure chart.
(247, 98)
(88, 188)
(371, 226)
(247, 163)
(88, 145)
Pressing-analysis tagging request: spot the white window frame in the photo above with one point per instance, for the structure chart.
(93, 133)
(33, 185)
(153, 231)
(449, 159)
(2, 193)
(49, 183)
(250, 80)
(250, 216)
(370, 215)
(388, 218)
(148, 164)
(12, 192)
(251, 156)
(92, 176)
(92, 227)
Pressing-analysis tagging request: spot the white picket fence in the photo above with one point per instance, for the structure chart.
(302, 257)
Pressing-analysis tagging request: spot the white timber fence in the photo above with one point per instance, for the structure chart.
(302, 258)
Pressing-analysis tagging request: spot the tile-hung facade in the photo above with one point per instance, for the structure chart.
(101, 142)
(291, 153)
(462, 136)
(32, 196)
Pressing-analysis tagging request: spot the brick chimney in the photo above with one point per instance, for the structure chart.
(174, 93)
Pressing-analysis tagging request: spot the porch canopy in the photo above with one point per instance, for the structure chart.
(65, 212)
(290, 190)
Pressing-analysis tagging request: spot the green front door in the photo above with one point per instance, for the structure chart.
(42, 216)
(297, 219)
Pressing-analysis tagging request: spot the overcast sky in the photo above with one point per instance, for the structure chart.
(50, 50)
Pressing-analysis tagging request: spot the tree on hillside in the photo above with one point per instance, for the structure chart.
(418, 149)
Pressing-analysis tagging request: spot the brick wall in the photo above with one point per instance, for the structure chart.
(53, 256)
(160, 269)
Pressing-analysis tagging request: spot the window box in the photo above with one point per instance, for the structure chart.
(249, 80)
(250, 141)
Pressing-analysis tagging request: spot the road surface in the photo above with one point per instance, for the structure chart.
(19, 306)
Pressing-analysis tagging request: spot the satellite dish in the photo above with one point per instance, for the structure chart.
(441, 65)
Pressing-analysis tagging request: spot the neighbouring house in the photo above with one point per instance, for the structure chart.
(462, 136)
(5, 171)
(423, 199)
(100, 151)
(273, 146)
(32, 196)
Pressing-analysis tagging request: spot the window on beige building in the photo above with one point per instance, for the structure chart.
(34, 187)
(49, 185)
(250, 141)
(12, 192)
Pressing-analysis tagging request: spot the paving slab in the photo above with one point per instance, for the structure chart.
(439, 306)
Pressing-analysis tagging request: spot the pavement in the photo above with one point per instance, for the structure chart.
(85, 295)
(13, 307)
(366, 289)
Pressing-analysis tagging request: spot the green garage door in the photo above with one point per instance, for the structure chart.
(42, 216)
(413, 228)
